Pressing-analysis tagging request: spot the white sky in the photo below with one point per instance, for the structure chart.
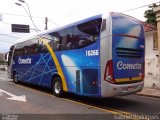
(64, 11)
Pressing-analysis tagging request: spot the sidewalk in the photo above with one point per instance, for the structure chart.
(150, 92)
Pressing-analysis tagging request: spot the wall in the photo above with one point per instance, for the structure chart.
(152, 71)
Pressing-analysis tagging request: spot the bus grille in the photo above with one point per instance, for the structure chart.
(128, 52)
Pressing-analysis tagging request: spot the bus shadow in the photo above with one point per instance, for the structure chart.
(34, 87)
(105, 103)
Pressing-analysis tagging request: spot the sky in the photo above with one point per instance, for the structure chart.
(59, 13)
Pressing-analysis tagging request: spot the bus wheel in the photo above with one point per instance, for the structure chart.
(15, 77)
(57, 87)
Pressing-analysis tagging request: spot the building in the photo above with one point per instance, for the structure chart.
(2, 56)
(152, 71)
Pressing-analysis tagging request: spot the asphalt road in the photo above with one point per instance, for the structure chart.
(41, 104)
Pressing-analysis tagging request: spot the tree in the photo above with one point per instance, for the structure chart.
(150, 15)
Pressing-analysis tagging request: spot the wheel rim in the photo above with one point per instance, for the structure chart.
(57, 87)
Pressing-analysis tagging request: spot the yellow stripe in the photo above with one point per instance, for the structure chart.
(59, 69)
(128, 79)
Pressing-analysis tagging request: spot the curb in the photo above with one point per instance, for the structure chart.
(143, 94)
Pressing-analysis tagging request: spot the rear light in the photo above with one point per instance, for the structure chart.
(108, 75)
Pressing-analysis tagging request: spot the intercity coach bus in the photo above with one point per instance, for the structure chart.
(101, 56)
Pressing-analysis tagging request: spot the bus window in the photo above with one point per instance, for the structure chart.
(62, 40)
(87, 33)
(18, 52)
(55, 40)
(31, 46)
(91, 27)
(10, 54)
(9, 57)
(103, 25)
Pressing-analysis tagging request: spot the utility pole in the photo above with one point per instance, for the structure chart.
(46, 23)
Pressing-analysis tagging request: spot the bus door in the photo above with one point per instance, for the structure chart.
(78, 81)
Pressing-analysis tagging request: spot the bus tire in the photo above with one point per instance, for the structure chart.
(15, 77)
(57, 87)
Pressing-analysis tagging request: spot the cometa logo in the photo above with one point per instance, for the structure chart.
(121, 65)
(24, 61)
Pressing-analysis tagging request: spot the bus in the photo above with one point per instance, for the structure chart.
(100, 56)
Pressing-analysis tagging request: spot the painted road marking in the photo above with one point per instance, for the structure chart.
(2, 78)
(21, 98)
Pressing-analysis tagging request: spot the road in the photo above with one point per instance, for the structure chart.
(39, 102)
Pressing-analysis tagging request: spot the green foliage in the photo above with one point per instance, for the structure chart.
(150, 15)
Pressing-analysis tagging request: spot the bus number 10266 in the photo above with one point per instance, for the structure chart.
(92, 52)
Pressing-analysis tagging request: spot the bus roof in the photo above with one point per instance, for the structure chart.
(72, 24)
(58, 28)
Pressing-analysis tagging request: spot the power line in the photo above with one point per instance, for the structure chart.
(18, 15)
(6, 41)
(139, 7)
(58, 25)
(1, 40)
(9, 35)
(16, 27)
(29, 14)
(54, 22)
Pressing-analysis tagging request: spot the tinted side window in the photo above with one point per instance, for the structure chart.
(19, 49)
(53, 40)
(87, 33)
(10, 57)
(29, 47)
(60, 39)
(75, 37)
(11, 52)
(103, 25)
(32, 46)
